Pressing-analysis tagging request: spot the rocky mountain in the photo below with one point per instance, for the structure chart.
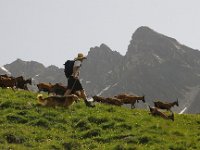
(154, 65)
(37, 71)
(100, 69)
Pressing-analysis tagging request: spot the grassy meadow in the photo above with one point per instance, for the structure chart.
(25, 125)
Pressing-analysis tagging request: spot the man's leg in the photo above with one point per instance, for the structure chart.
(68, 92)
(83, 95)
(87, 103)
(71, 81)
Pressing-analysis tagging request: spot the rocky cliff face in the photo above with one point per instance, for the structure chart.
(101, 68)
(162, 67)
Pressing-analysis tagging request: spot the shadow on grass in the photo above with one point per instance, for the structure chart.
(14, 139)
(92, 133)
(40, 123)
(13, 118)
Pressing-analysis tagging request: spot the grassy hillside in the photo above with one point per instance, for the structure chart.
(25, 125)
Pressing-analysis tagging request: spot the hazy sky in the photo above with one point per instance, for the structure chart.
(52, 31)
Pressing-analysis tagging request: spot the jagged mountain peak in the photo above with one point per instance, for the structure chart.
(18, 61)
(146, 41)
(104, 46)
(52, 67)
(144, 33)
(102, 50)
(144, 29)
(25, 68)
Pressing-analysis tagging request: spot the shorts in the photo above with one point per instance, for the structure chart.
(74, 84)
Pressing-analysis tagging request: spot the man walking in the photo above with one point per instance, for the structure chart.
(74, 83)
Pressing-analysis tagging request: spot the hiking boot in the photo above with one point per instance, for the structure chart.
(89, 104)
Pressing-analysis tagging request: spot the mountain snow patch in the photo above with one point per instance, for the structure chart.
(160, 60)
(105, 89)
(182, 111)
(110, 72)
(4, 69)
(87, 82)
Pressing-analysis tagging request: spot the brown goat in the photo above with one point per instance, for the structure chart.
(7, 77)
(21, 83)
(109, 100)
(53, 101)
(130, 99)
(165, 105)
(156, 112)
(46, 87)
(7, 82)
(58, 89)
(4, 75)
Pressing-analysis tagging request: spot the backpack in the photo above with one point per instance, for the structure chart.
(68, 69)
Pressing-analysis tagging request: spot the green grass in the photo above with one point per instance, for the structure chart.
(25, 125)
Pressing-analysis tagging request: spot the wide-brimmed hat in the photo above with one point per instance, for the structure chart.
(80, 57)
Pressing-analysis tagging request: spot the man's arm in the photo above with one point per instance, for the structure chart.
(76, 69)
